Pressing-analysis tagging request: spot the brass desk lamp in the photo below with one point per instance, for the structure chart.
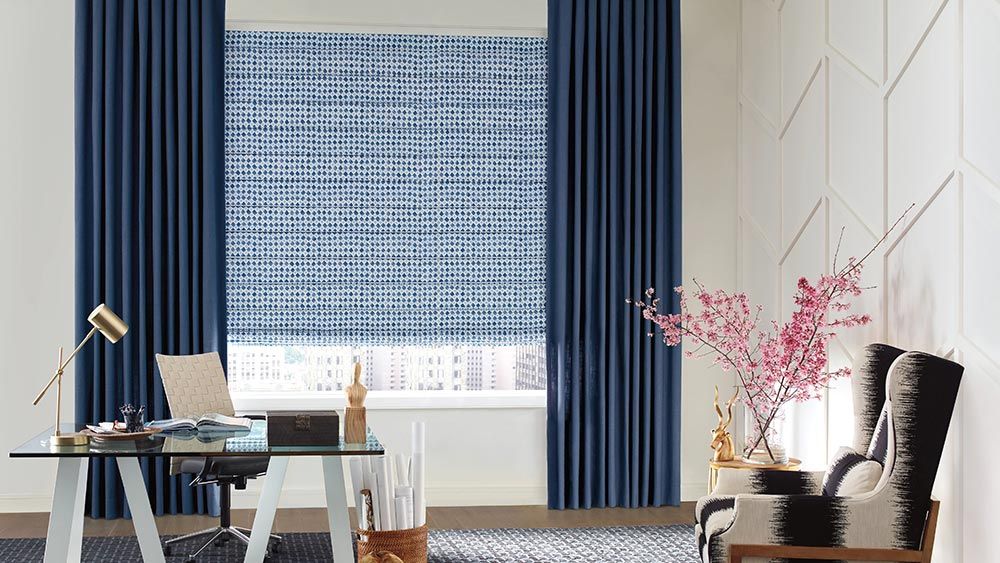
(113, 328)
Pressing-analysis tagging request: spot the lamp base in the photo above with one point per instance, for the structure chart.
(69, 440)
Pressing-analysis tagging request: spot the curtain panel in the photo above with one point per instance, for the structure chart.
(149, 214)
(614, 229)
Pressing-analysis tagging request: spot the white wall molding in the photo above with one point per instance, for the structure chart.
(931, 71)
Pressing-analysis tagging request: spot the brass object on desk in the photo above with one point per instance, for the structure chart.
(355, 415)
(714, 467)
(722, 440)
(113, 328)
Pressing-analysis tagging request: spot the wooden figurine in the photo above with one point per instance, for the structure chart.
(355, 419)
(722, 440)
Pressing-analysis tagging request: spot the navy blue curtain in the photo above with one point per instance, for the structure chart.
(150, 232)
(614, 228)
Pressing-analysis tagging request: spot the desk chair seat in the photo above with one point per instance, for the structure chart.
(195, 386)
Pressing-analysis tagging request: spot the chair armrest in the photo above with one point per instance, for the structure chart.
(768, 482)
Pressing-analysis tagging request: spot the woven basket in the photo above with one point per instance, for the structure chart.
(409, 545)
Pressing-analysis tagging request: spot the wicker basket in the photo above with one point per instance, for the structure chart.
(409, 545)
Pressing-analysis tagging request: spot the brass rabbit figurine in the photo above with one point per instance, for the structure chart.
(722, 440)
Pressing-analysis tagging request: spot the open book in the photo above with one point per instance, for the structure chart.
(213, 422)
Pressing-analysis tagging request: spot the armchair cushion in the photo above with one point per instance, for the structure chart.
(851, 474)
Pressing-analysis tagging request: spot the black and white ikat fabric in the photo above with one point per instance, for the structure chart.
(763, 507)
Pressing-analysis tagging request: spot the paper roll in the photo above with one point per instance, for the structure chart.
(385, 500)
(406, 493)
(401, 520)
(403, 476)
(358, 483)
(418, 468)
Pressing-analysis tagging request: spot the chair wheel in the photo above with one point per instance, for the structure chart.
(276, 546)
(189, 560)
(217, 543)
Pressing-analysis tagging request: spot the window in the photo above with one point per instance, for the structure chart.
(385, 201)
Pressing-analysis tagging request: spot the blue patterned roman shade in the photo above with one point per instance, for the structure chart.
(385, 189)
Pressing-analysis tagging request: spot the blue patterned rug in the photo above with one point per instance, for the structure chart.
(631, 544)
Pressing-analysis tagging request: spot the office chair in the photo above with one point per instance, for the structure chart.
(196, 385)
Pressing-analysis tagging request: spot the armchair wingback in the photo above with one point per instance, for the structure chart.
(904, 402)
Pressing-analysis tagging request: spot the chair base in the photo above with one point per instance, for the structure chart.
(219, 534)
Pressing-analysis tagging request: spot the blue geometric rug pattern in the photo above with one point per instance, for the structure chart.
(629, 544)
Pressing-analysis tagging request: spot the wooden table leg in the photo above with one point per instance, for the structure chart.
(267, 506)
(64, 540)
(336, 509)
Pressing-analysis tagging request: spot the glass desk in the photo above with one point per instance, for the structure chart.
(65, 532)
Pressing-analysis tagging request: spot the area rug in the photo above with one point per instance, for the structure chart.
(631, 544)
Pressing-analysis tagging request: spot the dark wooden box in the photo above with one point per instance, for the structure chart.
(303, 428)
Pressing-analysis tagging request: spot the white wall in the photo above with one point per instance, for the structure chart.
(850, 111)
(36, 231)
(708, 128)
(476, 456)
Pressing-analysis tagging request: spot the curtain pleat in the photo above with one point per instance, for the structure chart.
(613, 230)
(149, 214)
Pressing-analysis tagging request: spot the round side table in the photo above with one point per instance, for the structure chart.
(793, 464)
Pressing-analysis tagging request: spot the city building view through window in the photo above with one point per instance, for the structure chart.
(387, 368)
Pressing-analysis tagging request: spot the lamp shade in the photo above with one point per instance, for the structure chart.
(106, 321)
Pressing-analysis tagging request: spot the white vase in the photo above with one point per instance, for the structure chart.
(770, 449)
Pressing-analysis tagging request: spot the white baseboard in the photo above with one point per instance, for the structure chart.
(25, 503)
(693, 490)
(469, 495)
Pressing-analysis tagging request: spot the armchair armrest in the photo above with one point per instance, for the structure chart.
(768, 482)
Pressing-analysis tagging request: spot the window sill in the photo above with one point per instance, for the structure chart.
(258, 402)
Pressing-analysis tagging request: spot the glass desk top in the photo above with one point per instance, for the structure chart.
(190, 444)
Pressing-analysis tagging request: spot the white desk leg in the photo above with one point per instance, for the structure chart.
(336, 509)
(142, 513)
(65, 536)
(263, 519)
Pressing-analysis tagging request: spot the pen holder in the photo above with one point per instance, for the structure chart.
(410, 545)
(134, 418)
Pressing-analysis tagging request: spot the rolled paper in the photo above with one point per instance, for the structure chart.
(418, 468)
(357, 483)
(401, 523)
(403, 470)
(386, 506)
(406, 493)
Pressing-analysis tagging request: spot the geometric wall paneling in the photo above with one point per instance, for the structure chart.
(906, 22)
(802, 47)
(803, 159)
(840, 405)
(760, 174)
(806, 257)
(904, 108)
(981, 266)
(923, 118)
(981, 80)
(760, 57)
(760, 272)
(980, 389)
(856, 172)
(857, 241)
(922, 272)
(855, 31)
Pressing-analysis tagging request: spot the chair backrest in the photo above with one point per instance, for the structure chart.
(195, 385)
(920, 396)
(868, 380)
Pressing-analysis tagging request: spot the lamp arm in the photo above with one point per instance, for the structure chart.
(63, 366)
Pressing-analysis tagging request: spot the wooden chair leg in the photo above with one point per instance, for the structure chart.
(930, 528)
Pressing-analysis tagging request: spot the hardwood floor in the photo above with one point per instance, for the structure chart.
(34, 524)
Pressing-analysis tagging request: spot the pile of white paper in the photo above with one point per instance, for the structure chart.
(396, 484)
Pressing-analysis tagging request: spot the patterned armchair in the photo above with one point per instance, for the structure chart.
(903, 403)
